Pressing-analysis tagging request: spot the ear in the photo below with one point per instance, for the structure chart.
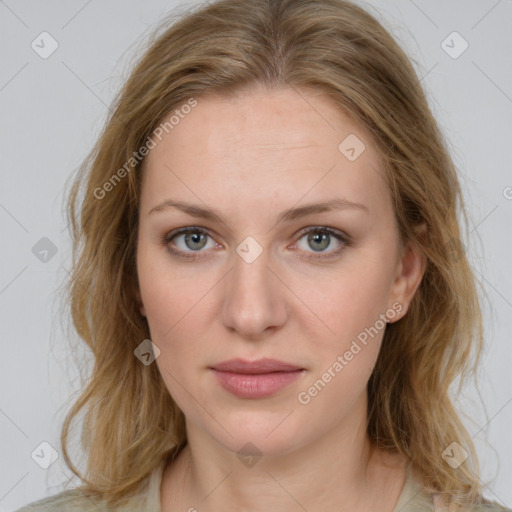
(409, 273)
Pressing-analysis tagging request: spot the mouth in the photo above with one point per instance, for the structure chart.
(255, 379)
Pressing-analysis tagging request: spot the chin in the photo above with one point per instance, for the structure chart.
(264, 433)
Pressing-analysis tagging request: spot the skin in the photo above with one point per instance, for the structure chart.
(250, 157)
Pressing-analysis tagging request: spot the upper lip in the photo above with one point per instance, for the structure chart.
(255, 367)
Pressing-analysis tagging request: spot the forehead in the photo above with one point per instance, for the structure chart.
(264, 145)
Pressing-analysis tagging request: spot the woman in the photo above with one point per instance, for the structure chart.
(265, 272)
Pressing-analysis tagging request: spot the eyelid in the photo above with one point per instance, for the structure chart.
(186, 229)
(327, 229)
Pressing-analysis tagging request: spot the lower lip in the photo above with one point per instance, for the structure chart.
(255, 386)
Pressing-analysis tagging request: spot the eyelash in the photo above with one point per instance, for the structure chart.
(341, 237)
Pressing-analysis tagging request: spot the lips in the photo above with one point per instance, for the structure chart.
(256, 379)
(255, 367)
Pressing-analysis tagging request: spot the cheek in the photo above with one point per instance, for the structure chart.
(351, 304)
(177, 308)
(346, 302)
(173, 309)
(170, 294)
(353, 307)
(338, 391)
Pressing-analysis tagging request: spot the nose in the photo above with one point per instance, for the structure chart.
(254, 302)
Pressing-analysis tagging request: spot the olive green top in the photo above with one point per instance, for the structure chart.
(411, 499)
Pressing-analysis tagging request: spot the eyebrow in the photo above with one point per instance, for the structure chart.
(285, 216)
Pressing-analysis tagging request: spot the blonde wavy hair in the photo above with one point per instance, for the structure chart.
(130, 421)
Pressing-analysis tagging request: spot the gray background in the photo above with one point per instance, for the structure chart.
(51, 113)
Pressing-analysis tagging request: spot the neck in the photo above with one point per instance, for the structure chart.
(339, 471)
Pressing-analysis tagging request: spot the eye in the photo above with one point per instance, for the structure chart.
(189, 240)
(320, 238)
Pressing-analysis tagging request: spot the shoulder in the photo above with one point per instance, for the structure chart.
(76, 500)
(415, 498)
(73, 500)
(489, 506)
(484, 506)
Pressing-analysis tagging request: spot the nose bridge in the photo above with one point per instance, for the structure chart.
(254, 299)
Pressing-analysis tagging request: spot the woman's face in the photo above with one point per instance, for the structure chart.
(264, 273)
